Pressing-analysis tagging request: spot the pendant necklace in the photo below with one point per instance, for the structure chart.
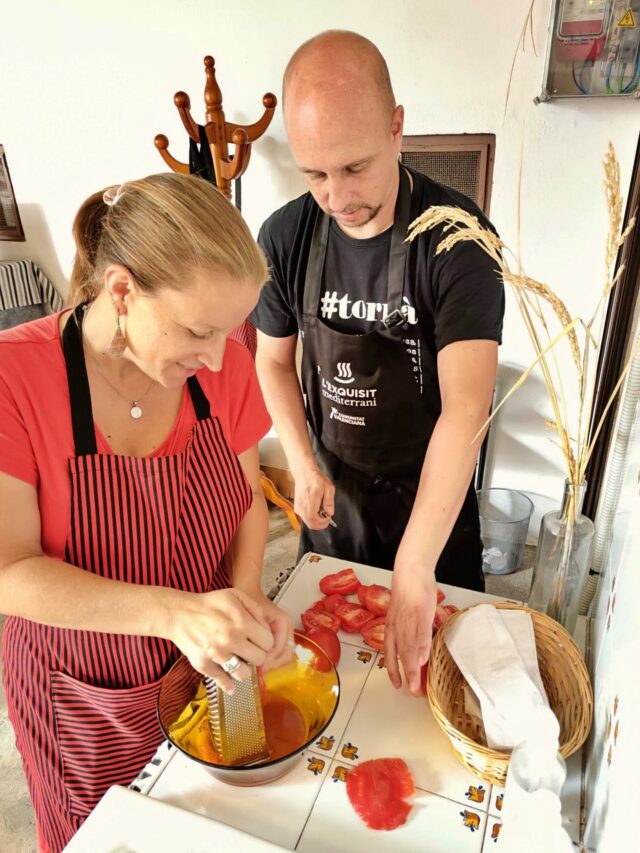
(135, 410)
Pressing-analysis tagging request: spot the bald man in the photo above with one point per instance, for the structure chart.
(399, 345)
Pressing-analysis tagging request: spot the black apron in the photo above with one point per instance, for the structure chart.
(371, 427)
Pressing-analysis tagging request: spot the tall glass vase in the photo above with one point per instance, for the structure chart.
(562, 558)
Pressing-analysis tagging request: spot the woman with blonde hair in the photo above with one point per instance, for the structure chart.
(132, 523)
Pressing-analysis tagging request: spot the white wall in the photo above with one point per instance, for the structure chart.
(86, 86)
(613, 749)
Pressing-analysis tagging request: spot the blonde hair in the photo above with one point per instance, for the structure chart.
(161, 228)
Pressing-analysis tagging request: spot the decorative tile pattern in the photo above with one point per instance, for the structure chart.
(389, 722)
(353, 672)
(492, 834)
(435, 824)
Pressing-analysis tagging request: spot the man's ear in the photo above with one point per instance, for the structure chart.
(397, 127)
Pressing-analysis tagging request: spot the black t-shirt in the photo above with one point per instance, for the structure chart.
(455, 296)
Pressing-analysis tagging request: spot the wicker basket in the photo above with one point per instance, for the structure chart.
(564, 676)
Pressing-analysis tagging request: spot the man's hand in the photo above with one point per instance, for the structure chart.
(408, 629)
(313, 490)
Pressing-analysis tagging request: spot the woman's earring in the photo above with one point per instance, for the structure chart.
(118, 343)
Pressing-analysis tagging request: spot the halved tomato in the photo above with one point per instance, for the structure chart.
(441, 596)
(344, 582)
(373, 633)
(377, 599)
(330, 602)
(328, 642)
(312, 618)
(424, 675)
(353, 618)
(362, 594)
(442, 614)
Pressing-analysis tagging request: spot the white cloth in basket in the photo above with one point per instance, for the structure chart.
(495, 651)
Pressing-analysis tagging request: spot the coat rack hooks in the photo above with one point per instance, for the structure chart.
(219, 132)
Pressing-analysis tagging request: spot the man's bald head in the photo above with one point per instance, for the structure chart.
(344, 129)
(338, 59)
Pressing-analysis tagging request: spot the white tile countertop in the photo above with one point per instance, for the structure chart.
(308, 809)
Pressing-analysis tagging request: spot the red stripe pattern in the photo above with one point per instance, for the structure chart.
(246, 335)
(82, 704)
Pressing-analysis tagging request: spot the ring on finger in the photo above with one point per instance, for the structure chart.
(231, 664)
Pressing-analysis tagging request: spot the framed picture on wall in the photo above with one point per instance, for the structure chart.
(10, 224)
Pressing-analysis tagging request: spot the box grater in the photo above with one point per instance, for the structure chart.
(236, 722)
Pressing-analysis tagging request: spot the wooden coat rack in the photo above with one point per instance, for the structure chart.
(220, 133)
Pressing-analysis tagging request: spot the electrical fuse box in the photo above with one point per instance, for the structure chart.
(593, 49)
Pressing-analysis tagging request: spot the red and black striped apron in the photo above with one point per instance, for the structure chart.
(83, 704)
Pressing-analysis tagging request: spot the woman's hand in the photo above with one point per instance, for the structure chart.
(210, 627)
(281, 625)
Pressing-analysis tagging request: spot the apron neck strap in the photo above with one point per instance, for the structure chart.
(397, 258)
(84, 434)
(199, 399)
(398, 253)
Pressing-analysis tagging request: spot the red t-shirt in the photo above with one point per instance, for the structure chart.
(36, 437)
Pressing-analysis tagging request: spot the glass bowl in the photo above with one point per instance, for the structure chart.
(301, 699)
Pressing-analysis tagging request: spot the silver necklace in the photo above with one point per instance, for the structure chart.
(135, 409)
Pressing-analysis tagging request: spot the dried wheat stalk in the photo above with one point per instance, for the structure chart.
(531, 295)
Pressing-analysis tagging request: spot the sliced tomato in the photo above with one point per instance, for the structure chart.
(373, 633)
(312, 618)
(450, 608)
(328, 642)
(378, 789)
(344, 582)
(424, 673)
(442, 614)
(441, 596)
(352, 617)
(362, 594)
(330, 602)
(377, 599)
(318, 605)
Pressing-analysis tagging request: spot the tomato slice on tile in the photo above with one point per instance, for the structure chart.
(352, 617)
(318, 605)
(312, 618)
(344, 582)
(441, 595)
(377, 599)
(373, 633)
(330, 602)
(378, 789)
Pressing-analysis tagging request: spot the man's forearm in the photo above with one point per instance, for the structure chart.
(283, 397)
(446, 473)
